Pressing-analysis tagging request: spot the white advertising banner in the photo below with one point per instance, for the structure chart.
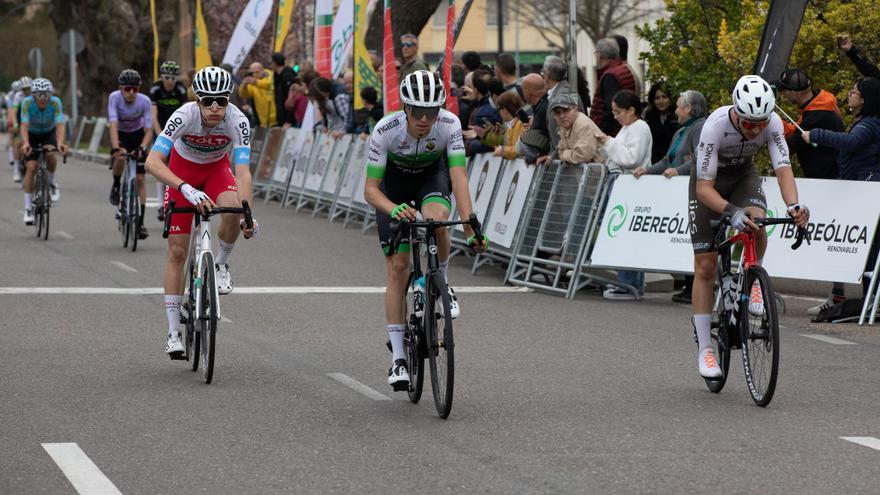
(481, 182)
(319, 162)
(331, 176)
(246, 32)
(342, 37)
(646, 228)
(353, 173)
(303, 158)
(510, 200)
(362, 182)
(286, 157)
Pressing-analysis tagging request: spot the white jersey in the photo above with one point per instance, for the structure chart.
(405, 156)
(186, 133)
(723, 147)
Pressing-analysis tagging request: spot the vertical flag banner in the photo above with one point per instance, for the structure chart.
(203, 55)
(451, 101)
(282, 22)
(780, 32)
(342, 36)
(364, 75)
(392, 95)
(246, 32)
(323, 36)
(155, 40)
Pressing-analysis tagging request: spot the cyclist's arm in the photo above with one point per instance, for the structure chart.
(787, 186)
(23, 133)
(148, 136)
(59, 123)
(157, 166)
(241, 156)
(458, 172)
(114, 134)
(154, 112)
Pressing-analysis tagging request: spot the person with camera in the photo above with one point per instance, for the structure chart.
(514, 118)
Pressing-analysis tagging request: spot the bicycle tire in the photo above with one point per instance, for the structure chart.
(123, 215)
(760, 345)
(441, 347)
(37, 204)
(720, 342)
(191, 335)
(207, 321)
(47, 207)
(413, 341)
(134, 213)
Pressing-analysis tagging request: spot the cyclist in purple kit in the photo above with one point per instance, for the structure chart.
(131, 130)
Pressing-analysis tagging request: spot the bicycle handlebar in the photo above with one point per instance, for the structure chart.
(171, 209)
(801, 236)
(402, 228)
(49, 149)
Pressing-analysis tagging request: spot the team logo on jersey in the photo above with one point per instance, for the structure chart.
(207, 143)
(387, 127)
(430, 146)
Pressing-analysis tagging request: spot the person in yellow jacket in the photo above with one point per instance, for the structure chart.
(259, 86)
(509, 104)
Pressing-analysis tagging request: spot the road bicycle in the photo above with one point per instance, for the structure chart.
(429, 324)
(129, 212)
(734, 325)
(42, 198)
(200, 310)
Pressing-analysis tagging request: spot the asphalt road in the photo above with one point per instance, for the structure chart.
(552, 396)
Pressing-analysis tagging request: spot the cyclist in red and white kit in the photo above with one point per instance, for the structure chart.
(198, 143)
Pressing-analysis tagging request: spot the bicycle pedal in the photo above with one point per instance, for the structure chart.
(400, 386)
(388, 345)
(177, 356)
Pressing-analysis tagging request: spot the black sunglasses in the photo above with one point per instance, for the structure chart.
(417, 113)
(208, 101)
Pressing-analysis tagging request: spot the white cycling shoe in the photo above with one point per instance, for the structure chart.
(173, 346)
(398, 376)
(224, 279)
(708, 364)
(54, 192)
(756, 301)
(28, 217)
(16, 173)
(453, 304)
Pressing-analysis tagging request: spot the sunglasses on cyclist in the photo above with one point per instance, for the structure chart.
(418, 113)
(750, 125)
(169, 78)
(209, 101)
(42, 95)
(130, 89)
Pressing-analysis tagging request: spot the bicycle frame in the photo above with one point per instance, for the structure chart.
(199, 244)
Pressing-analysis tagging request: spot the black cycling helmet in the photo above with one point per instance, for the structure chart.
(169, 68)
(129, 77)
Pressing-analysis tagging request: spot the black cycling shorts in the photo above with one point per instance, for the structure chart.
(742, 188)
(415, 191)
(130, 142)
(38, 140)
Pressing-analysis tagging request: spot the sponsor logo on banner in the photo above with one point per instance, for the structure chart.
(616, 219)
(642, 221)
(482, 180)
(511, 192)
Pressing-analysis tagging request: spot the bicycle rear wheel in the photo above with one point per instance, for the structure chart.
(437, 322)
(414, 344)
(47, 207)
(759, 331)
(207, 321)
(134, 212)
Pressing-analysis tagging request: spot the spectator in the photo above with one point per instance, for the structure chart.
(409, 47)
(691, 111)
(612, 76)
(376, 60)
(482, 115)
(259, 87)
(623, 45)
(625, 153)
(297, 102)
(535, 141)
(505, 71)
(323, 93)
(471, 61)
(284, 77)
(577, 133)
(818, 110)
(457, 76)
(661, 119)
(555, 72)
(344, 100)
(509, 106)
(365, 119)
(858, 57)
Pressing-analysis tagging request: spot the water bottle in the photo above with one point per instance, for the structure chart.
(728, 286)
(418, 290)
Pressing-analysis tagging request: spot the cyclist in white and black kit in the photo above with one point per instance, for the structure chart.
(726, 182)
(416, 157)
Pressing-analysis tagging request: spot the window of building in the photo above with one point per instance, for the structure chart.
(492, 13)
(438, 20)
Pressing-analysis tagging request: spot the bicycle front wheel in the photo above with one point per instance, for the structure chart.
(47, 206)
(437, 321)
(37, 206)
(414, 344)
(759, 330)
(207, 320)
(124, 223)
(134, 213)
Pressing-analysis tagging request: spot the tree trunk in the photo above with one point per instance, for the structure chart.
(407, 16)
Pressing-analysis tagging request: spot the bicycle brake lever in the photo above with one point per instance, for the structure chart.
(802, 235)
(168, 213)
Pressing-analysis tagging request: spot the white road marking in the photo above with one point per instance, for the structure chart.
(82, 473)
(827, 339)
(123, 266)
(65, 235)
(804, 298)
(357, 386)
(125, 291)
(870, 442)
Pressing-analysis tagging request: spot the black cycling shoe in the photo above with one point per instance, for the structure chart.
(683, 297)
(142, 232)
(161, 214)
(114, 196)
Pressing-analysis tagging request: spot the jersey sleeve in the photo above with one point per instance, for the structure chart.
(779, 154)
(455, 146)
(707, 153)
(377, 156)
(154, 94)
(240, 133)
(112, 115)
(174, 128)
(148, 112)
(58, 116)
(25, 111)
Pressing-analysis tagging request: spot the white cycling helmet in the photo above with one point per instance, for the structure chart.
(753, 98)
(422, 89)
(25, 83)
(42, 84)
(212, 81)
(16, 86)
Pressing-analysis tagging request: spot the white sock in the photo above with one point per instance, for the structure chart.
(395, 333)
(703, 323)
(172, 311)
(28, 201)
(160, 192)
(444, 268)
(224, 252)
